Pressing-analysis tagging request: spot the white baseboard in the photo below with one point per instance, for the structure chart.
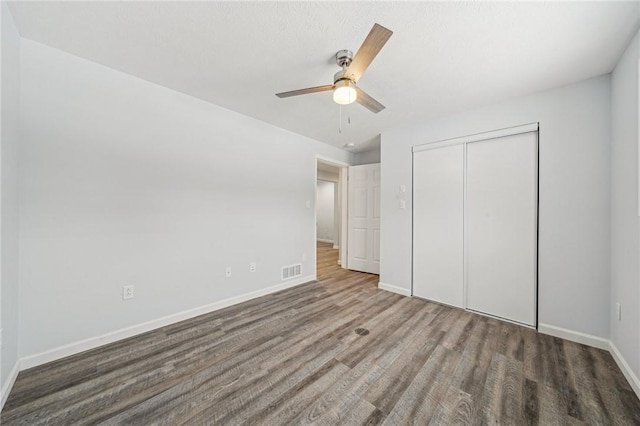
(335, 246)
(394, 289)
(94, 342)
(8, 384)
(323, 240)
(624, 367)
(574, 336)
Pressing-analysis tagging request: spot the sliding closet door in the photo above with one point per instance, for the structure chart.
(501, 210)
(438, 196)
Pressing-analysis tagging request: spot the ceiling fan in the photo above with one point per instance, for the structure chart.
(344, 86)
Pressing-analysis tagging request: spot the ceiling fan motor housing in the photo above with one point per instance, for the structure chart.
(339, 76)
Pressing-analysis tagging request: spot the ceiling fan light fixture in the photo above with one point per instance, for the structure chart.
(344, 92)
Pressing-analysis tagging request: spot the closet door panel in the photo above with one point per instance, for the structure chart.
(438, 224)
(501, 210)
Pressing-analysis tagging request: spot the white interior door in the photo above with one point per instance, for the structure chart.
(438, 203)
(364, 218)
(501, 215)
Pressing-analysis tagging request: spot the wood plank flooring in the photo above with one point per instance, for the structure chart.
(293, 358)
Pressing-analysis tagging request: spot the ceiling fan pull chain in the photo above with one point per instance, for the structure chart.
(340, 120)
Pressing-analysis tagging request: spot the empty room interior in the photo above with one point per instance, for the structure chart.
(320, 213)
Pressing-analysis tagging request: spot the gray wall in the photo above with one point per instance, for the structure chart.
(574, 197)
(625, 229)
(9, 201)
(371, 156)
(126, 182)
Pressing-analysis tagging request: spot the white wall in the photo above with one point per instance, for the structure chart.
(574, 197)
(127, 182)
(9, 200)
(325, 208)
(625, 227)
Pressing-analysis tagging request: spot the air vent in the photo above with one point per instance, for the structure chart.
(291, 271)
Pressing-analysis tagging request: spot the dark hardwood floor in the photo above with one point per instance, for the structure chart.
(293, 358)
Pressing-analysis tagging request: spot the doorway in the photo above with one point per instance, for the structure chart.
(331, 213)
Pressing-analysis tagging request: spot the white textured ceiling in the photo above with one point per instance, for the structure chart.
(442, 57)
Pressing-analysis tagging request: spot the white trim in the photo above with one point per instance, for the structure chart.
(8, 384)
(344, 216)
(536, 228)
(624, 367)
(574, 336)
(94, 342)
(638, 118)
(330, 161)
(324, 240)
(465, 232)
(394, 289)
(525, 128)
(336, 247)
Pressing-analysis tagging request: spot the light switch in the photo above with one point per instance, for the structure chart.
(403, 204)
(308, 204)
(403, 189)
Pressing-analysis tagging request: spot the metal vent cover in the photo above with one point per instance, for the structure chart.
(291, 271)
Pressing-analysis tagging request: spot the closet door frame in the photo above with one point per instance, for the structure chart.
(509, 131)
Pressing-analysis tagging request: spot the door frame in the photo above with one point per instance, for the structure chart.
(343, 169)
(477, 137)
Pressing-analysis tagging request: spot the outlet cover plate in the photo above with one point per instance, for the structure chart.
(127, 292)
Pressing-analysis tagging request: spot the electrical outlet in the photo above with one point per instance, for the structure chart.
(619, 311)
(227, 272)
(252, 267)
(127, 292)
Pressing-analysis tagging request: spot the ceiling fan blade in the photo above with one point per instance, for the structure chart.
(368, 102)
(305, 91)
(374, 42)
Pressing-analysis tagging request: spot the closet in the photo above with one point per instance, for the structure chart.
(475, 222)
